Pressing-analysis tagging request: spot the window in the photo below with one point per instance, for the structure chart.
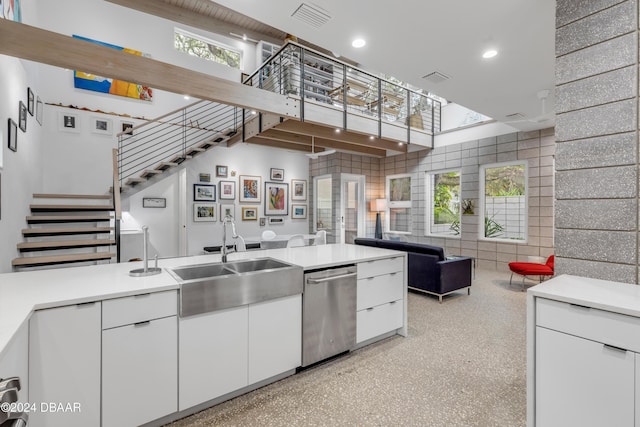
(323, 202)
(504, 202)
(443, 196)
(399, 206)
(207, 49)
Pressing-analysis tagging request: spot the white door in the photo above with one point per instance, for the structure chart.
(353, 207)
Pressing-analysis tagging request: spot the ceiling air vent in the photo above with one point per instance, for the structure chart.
(436, 77)
(515, 116)
(312, 14)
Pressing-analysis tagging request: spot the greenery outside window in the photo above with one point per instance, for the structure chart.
(398, 215)
(504, 204)
(443, 204)
(208, 49)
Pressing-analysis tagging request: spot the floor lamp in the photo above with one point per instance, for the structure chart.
(378, 205)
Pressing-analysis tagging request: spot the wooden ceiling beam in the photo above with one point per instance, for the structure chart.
(306, 128)
(35, 44)
(281, 144)
(322, 142)
(193, 19)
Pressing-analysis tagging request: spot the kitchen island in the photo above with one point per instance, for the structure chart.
(126, 328)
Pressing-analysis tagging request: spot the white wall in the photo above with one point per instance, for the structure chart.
(244, 159)
(20, 172)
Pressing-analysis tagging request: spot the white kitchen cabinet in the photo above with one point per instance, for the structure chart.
(14, 361)
(584, 383)
(380, 300)
(213, 351)
(583, 363)
(64, 365)
(139, 372)
(275, 337)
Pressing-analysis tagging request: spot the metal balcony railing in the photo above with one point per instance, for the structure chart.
(314, 77)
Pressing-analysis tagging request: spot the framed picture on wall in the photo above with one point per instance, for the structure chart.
(277, 174)
(204, 193)
(68, 122)
(250, 188)
(227, 210)
(221, 171)
(22, 117)
(249, 213)
(39, 110)
(276, 196)
(298, 211)
(31, 101)
(227, 190)
(298, 189)
(101, 126)
(12, 134)
(204, 212)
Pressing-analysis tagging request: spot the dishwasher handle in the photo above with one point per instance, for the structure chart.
(330, 278)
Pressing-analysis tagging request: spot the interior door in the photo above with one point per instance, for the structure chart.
(353, 207)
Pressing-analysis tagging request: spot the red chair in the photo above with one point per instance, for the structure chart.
(531, 269)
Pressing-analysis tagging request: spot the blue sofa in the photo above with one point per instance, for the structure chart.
(428, 269)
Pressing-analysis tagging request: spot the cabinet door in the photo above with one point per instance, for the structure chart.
(582, 383)
(275, 337)
(14, 361)
(212, 354)
(139, 372)
(64, 365)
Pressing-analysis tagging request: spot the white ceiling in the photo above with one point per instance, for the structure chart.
(411, 38)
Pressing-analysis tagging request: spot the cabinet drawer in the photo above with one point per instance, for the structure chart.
(380, 266)
(378, 320)
(138, 308)
(379, 290)
(591, 323)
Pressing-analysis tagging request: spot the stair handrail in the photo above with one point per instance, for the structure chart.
(117, 205)
(158, 119)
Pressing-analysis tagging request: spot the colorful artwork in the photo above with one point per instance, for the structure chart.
(95, 83)
(276, 198)
(11, 10)
(250, 188)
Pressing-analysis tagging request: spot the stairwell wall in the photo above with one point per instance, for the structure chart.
(20, 171)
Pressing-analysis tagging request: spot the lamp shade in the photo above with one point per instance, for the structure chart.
(378, 205)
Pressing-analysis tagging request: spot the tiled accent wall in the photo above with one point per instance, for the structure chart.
(597, 134)
(537, 148)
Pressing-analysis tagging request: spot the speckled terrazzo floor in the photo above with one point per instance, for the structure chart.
(463, 364)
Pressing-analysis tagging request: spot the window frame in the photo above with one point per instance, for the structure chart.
(482, 201)
(207, 40)
(398, 204)
(429, 193)
(328, 228)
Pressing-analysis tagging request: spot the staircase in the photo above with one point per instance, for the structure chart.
(149, 150)
(67, 228)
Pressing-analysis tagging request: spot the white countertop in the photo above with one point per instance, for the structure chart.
(617, 297)
(23, 292)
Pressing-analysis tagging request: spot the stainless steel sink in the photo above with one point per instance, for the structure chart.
(216, 286)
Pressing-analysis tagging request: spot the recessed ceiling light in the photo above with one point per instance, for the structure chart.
(357, 43)
(337, 130)
(489, 53)
(244, 37)
(371, 137)
(186, 97)
(254, 112)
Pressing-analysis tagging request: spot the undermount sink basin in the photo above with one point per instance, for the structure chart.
(216, 286)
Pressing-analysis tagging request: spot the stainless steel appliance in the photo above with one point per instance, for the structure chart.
(328, 313)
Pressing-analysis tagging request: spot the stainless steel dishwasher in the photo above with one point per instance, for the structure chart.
(328, 313)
